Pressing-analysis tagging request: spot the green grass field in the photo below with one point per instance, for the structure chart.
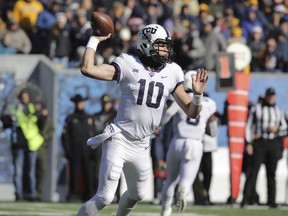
(143, 209)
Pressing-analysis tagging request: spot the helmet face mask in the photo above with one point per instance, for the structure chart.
(151, 38)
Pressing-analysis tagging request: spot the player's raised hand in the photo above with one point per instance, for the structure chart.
(199, 81)
(102, 38)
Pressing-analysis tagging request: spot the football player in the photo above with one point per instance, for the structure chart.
(145, 81)
(186, 147)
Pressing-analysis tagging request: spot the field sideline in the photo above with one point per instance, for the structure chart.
(143, 209)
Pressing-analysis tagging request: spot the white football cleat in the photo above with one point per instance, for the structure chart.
(166, 212)
(181, 202)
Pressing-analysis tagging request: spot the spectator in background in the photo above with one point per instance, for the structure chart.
(278, 13)
(249, 22)
(266, 126)
(282, 51)
(188, 47)
(129, 6)
(46, 20)
(283, 28)
(239, 8)
(166, 17)
(216, 7)
(70, 12)
(220, 25)
(80, 34)
(153, 12)
(237, 36)
(259, 14)
(26, 14)
(192, 4)
(87, 5)
(6, 8)
(2, 26)
(19, 38)
(25, 143)
(103, 5)
(256, 45)
(6, 46)
(214, 43)
(117, 14)
(186, 17)
(270, 58)
(122, 42)
(60, 46)
(78, 128)
(204, 15)
(230, 22)
(47, 130)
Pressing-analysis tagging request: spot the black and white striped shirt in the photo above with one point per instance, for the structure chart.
(261, 118)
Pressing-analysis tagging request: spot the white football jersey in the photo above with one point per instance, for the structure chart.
(143, 94)
(185, 127)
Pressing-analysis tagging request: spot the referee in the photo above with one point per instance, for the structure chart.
(265, 129)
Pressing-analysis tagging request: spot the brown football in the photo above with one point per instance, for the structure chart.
(101, 23)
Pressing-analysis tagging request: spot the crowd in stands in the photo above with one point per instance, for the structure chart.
(60, 29)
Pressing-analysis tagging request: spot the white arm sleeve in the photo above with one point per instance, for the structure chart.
(169, 113)
(213, 127)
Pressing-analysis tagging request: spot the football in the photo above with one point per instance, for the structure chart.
(101, 23)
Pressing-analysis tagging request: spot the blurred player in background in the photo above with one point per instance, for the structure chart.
(186, 148)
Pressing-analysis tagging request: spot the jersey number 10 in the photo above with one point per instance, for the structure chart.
(151, 87)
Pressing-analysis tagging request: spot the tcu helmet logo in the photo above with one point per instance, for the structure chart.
(147, 32)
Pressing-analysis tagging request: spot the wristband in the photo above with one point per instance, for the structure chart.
(197, 99)
(93, 43)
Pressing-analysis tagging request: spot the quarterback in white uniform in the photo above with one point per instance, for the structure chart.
(186, 148)
(145, 81)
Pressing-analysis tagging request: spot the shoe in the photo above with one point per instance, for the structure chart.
(230, 201)
(181, 200)
(243, 203)
(156, 201)
(203, 202)
(272, 205)
(31, 199)
(19, 199)
(166, 212)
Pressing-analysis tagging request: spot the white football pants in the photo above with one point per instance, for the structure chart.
(133, 157)
(183, 161)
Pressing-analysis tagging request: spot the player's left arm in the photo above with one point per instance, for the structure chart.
(169, 113)
(212, 126)
(192, 107)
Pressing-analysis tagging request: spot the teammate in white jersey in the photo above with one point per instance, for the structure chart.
(145, 81)
(186, 148)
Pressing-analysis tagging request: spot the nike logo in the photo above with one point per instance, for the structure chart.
(163, 77)
(146, 147)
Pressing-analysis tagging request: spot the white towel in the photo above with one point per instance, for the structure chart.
(108, 132)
